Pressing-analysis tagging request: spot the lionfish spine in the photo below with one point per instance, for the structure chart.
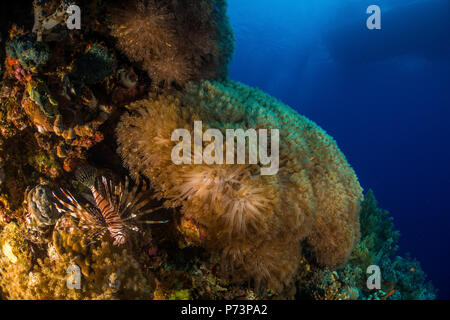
(73, 208)
(115, 205)
(86, 175)
(115, 224)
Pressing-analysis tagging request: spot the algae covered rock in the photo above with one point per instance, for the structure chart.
(94, 66)
(30, 52)
(101, 270)
(15, 261)
(14, 248)
(40, 94)
(40, 204)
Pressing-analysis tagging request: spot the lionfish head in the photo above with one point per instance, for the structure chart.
(120, 239)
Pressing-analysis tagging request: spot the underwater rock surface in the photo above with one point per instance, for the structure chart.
(40, 207)
(108, 97)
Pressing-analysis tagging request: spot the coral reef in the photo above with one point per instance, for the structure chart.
(94, 66)
(55, 97)
(69, 99)
(257, 222)
(402, 278)
(106, 272)
(30, 52)
(378, 239)
(175, 41)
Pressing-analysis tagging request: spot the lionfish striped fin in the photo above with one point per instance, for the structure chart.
(134, 216)
(97, 234)
(86, 174)
(107, 186)
(113, 207)
(153, 221)
(77, 211)
(67, 208)
(135, 201)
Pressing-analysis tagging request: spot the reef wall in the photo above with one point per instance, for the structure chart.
(80, 110)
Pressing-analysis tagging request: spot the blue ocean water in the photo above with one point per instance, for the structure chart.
(384, 95)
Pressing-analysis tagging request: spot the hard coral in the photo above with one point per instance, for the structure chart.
(403, 277)
(175, 41)
(28, 51)
(257, 222)
(41, 211)
(94, 66)
(106, 272)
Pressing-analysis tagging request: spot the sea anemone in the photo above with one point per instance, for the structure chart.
(256, 222)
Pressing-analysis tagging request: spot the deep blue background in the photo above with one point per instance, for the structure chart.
(384, 95)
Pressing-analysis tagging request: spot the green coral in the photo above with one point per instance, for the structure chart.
(378, 238)
(410, 280)
(45, 163)
(40, 94)
(94, 66)
(402, 277)
(181, 295)
(30, 52)
(225, 35)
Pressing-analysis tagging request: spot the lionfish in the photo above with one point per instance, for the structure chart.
(115, 207)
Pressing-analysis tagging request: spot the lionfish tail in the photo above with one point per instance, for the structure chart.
(87, 175)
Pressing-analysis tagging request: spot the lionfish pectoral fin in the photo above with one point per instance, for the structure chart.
(87, 175)
(153, 222)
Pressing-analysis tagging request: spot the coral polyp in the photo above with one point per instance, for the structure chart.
(255, 222)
